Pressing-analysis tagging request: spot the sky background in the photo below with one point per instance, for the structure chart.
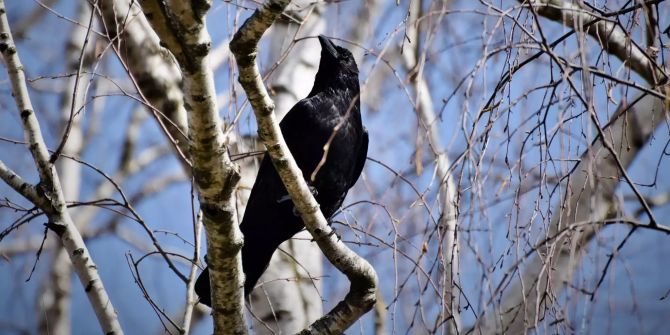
(630, 299)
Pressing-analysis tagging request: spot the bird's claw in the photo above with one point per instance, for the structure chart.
(331, 233)
(286, 197)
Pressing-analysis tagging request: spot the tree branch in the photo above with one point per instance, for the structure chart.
(609, 34)
(181, 28)
(589, 193)
(50, 190)
(289, 306)
(22, 187)
(414, 61)
(590, 188)
(150, 66)
(362, 276)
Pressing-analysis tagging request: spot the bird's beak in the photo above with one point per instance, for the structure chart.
(328, 46)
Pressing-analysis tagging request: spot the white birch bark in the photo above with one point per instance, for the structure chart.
(55, 291)
(48, 194)
(362, 276)
(181, 27)
(285, 307)
(152, 68)
(413, 59)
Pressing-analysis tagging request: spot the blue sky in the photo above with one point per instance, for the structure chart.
(628, 301)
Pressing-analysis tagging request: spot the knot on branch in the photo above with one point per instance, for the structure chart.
(267, 108)
(308, 209)
(7, 49)
(202, 49)
(232, 180)
(200, 8)
(25, 113)
(59, 229)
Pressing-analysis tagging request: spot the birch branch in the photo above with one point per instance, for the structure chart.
(593, 180)
(609, 34)
(151, 66)
(191, 298)
(590, 191)
(181, 28)
(24, 188)
(414, 60)
(289, 306)
(362, 276)
(54, 297)
(49, 189)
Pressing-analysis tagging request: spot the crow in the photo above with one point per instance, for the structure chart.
(328, 117)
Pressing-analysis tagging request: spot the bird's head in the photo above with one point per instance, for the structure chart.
(335, 58)
(337, 69)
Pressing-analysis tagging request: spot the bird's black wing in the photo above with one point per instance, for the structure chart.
(360, 160)
(306, 129)
(268, 218)
(268, 221)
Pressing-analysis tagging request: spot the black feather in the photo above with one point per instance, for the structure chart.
(269, 218)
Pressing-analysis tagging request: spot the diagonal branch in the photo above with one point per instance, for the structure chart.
(289, 306)
(22, 187)
(150, 66)
(49, 188)
(362, 276)
(608, 33)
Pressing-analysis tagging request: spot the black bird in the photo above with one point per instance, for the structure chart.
(270, 217)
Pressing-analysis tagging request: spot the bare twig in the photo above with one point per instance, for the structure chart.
(181, 28)
(49, 189)
(609, 35)
(191, 299)
(414, 61)
(362, 276)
